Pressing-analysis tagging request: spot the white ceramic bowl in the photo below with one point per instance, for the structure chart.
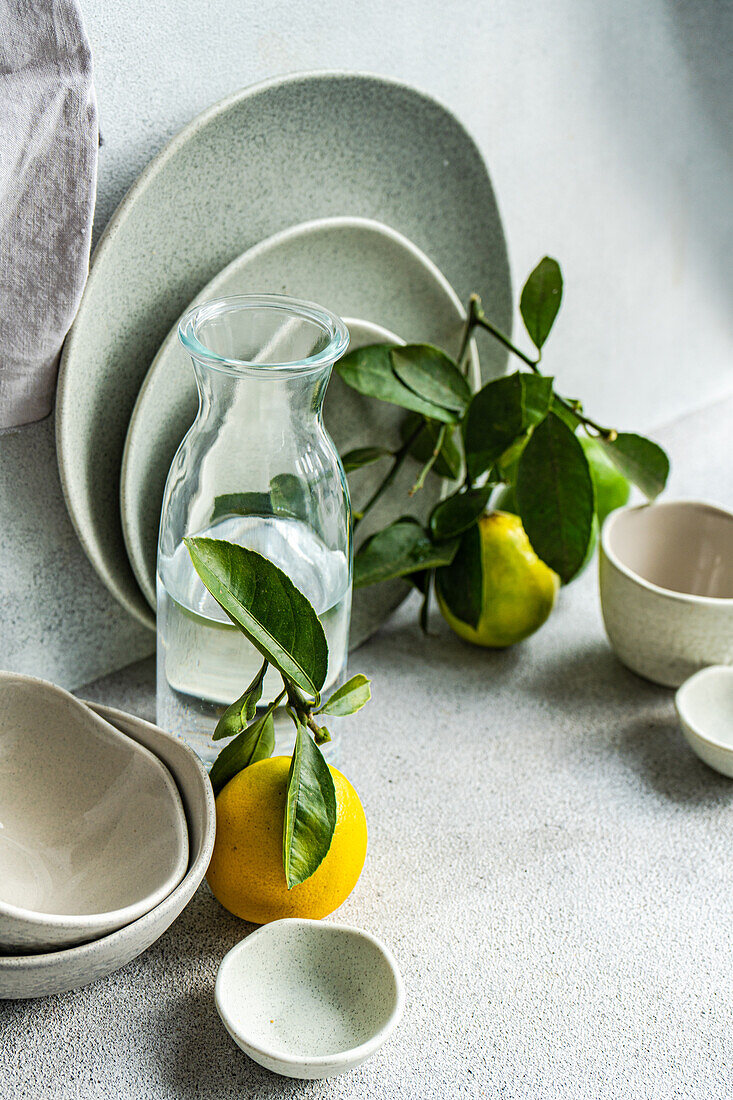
(308, 998)
(705, 708)
(93, 833)
(23, 976)
(666, 575)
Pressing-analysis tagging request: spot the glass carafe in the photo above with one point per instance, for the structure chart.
(256, 468)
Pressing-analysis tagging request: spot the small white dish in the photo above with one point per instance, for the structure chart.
(41, 975)
(666, 579)
(92, 829)
(705, 709)
(309, 999)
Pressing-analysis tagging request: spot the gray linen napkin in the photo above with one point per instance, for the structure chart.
(48, 173)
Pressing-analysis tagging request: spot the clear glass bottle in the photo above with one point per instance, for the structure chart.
(257, 468)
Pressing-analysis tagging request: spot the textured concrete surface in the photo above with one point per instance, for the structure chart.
(549, 862)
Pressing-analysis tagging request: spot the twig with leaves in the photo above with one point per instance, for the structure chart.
(280, 622)
(516, 430)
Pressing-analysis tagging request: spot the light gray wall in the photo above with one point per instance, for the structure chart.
(606, 127)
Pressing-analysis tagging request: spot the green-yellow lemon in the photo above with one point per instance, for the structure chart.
(497, 570)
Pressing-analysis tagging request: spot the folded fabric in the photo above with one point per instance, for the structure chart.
(48, 172)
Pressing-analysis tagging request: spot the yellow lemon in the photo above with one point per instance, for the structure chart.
(246, 871)
(516, 590)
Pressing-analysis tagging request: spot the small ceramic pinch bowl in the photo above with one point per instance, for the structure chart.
(705, 708)
(93, 833)
(666, 577)
(309, 999)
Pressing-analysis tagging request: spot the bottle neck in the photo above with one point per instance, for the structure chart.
(275, 397)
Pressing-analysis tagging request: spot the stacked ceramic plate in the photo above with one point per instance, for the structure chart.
(351, 191)
(107, 829)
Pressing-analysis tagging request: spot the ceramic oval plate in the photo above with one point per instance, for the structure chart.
(382, 285)
(93, 830)
(295, 148)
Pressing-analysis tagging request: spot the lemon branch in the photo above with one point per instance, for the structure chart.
(398, 458)
(478, 319)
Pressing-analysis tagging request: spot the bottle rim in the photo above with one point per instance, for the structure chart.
(333, 328)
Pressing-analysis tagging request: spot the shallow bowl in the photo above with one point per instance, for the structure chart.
(666, 576)
(93, 829)
(37, 975)
(705, 708)
(309, 999)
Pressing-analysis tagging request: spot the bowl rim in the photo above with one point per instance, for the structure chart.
(88, 923)
(632, 575)
(693, 728)
(323, 1061)
(198, 862)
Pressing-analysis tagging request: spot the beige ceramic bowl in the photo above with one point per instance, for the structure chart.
(666, 573)
(40, 975)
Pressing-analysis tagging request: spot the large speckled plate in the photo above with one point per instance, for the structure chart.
(293, 149)
(352, 266)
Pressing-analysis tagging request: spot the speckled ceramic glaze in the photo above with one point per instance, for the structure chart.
(93, 833)
(295, 148)
(309, 999)
(705, 708)
(38, 975)
(358, 268)
(666, 574)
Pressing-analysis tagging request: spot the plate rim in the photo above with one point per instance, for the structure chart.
(299, 231)
(134, 601)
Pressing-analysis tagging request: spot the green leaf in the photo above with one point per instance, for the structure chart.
(267, 607)
(460, 584)
(457, 513)
(238, 714)
(432, 375)
(555, 497)
(565, 414)
(289, 496)
(501, 412)
(349, 698)
(449, 462)
(310, 813)
(402, 548)
(252, 744)
(369, 371)
(363, 456)
(541, 299)
(640, 460)
(240, 504)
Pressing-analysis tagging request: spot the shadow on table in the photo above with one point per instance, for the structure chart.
(584, 678)
(200, 1059)
(656, 750)
(401, 643)
(632, 717)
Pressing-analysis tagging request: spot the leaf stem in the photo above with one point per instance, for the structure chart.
(399, 457)
(483, 322)
(425, 609)
(474, 303)
(431, 461)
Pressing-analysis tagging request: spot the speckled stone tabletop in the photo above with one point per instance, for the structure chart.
(549, 862)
